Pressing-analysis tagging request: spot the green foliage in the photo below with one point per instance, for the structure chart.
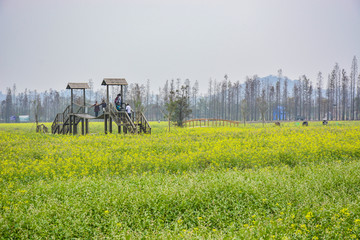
(178, 106)
(246, 182)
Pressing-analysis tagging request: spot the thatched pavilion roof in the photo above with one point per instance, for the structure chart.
(114, 81)
(77, 86)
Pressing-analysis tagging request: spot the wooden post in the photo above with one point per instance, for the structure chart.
(86, 126)
(105, 122)
(72, 101)
(70, 123)
(119, 129)
(122, 96)
(110, 124)
(82, 126)
(74, 125)
(84, 98)
(107, 96)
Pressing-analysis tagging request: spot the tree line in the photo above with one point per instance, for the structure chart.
(335, 97)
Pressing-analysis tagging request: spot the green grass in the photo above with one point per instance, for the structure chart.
(302, 202)
(309, 191)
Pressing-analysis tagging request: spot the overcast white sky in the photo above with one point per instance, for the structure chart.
(47, 43)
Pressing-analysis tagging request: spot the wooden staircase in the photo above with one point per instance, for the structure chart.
(61, 123)
(136, 124)
(142, 123)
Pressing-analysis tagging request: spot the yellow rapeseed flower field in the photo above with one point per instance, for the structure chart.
(28, 156)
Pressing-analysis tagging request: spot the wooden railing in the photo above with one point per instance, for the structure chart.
(207, 122)
(122, 118)
(143, 123)
(55, 127)
(61, 121)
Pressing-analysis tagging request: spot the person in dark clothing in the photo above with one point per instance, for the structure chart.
(96, 108)
(103, 105)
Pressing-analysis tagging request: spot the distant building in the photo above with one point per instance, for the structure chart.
(13, 119)
(24, 118)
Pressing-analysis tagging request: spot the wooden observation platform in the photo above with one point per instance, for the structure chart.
(68, 121)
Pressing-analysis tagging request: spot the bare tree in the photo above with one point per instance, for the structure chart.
(344, 93)
(262, 104)
(285, 99)
(91, 85)
(244, 110)
(319, 95)
(195, 91)
(210, 97)
(278, 87)
(306, 96)
(167, 107)
(353, 75)
(9, 106)
(310, 100)
(229, 98)
(271, 102)
(237, 87)
(147, 96)
(223, 96)
(296, 94)
(337, 91)
(358, 98)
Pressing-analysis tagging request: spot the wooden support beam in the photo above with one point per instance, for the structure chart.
(105, 122)
(110, 124)
(74, 125)
(84, 97)
(72, 101)
(70, 124)
(122, 97)
(82, 126)
(107, 96)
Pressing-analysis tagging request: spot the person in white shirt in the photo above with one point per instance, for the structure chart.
(128, 110)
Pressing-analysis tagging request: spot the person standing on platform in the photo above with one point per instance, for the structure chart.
(128, 110)
(103, 105)
(118, 102)
(96, 108)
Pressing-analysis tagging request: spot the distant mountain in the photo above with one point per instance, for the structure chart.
(272, 80)
(2, 96)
